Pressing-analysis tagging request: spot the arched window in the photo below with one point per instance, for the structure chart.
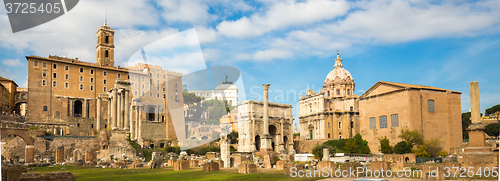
(430, 105)
(45, 108)
(340, 135)
(23, 96)
(107, 39)
(106, 54)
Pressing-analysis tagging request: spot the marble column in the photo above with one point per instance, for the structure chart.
(127, 111)
(476, 129)
(131, 116)
(119, 110)
(139, 128)
(113, 108)
(99, 113)
(109, 111)
(137, 121)
(266, 138)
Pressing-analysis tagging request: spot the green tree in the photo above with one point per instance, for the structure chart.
(216, 109)
(350, 146)
(414, 138)
(433, 147)
(493, 109)
(233, 137)
(402, 147)
(465, 124)
(492, 129)
(362, 145)
(318, 150)
(385, 145)
(421, 151)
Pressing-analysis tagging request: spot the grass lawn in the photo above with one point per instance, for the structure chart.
(109, 174)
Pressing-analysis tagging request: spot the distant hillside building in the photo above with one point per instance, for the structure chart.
(225, 91)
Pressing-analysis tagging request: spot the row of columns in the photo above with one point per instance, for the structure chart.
(120, 109)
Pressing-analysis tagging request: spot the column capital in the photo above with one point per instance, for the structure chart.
(266, 86)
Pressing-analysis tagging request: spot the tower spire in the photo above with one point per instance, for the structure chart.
(338, 61)
(106, 18)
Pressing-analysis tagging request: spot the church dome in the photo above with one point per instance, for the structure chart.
(338, 71)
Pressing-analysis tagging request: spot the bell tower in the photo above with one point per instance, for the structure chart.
(105, 49)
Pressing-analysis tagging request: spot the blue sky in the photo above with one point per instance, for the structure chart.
(290, 44)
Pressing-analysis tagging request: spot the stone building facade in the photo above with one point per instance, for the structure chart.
(386, 109)
(77, 93)
(7, 95)
(264, 127)
(332, 113)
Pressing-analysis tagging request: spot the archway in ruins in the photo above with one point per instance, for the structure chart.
(78, 108)
(272, 132)
(28, 140)
(285, 142)
(257, 142)
(151, 113)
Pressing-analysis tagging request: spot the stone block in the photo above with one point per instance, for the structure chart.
(12, 173)
(432, 173)
(328, 164)
(211, 155)
(181, 165)
(350, 166)
(60, 154)
(210, 166)
(287, 168)
(194, 163)
(379, 165)
(171, 162)
(220, 162)
(246, 168)
(267, 161)
(280, 164)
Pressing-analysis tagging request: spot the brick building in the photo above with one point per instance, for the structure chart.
(66, 90)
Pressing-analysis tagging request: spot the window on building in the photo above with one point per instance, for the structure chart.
(81, 78)
(340, 135)
(128, 77)
(150, 74)
(176, 98)
(104, 81)
(338, 92)
(91, 79)
(372, 123)
(157, 75)
(92, 71)
(394, 120)
(66, 68)
(157, 95)
(175, 85)
(104, 73)
(135, 77)
(430, 105)
(35, 63)
(163, 76)
(66, 76)
(135, 85)
(54, 83)
(45, 109)
(150, 94)
(135, 92)
(44, 64)
(104, 88)
(91, 88)
(106, 39)
(142, 86)
(106, 53)
(143, 93)
(328, 135)
(81, 70)
(44, 74)
(382, 121)
(54, 75)
(54, 66)
(81, 86)
(143, 80)
(348, 92)
(340, 125)
(119, 75)
(351, 108)
(66, 85)
(158, 88)
(328, 124)
(44, 82)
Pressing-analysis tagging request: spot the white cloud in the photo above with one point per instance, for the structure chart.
(186, 11)
(206, 35)
(211, 54)
(282, 15)
(12, 62)
(265, 55)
